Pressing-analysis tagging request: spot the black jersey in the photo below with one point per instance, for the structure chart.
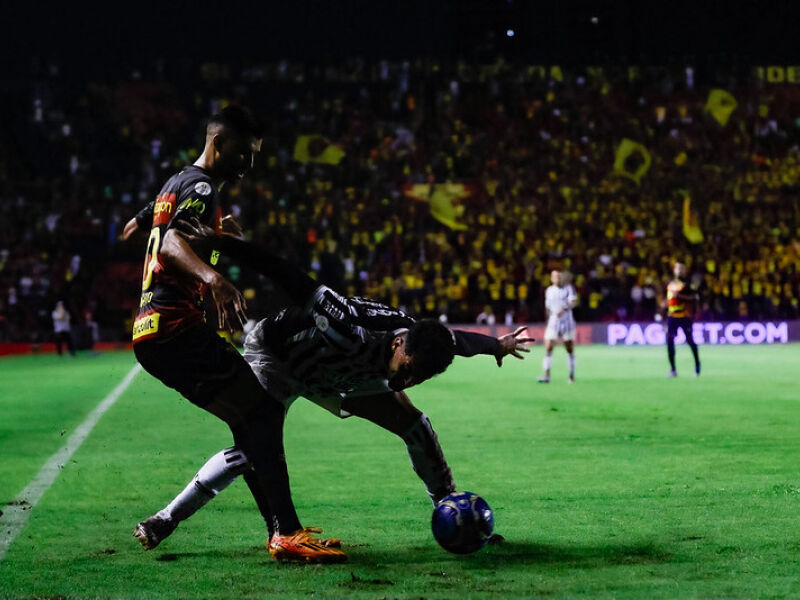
(333, 346)
(327, 344)
(171, 302)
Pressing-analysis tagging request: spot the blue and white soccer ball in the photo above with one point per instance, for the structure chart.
(462, 522)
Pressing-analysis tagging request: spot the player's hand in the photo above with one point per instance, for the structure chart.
(230, 304)
(513, 344)
(194, 232)
(232, 227)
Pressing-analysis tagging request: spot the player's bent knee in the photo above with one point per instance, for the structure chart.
(260, 434)
(240, 399)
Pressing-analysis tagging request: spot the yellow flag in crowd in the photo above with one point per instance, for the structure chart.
(445, 200)
(721, 105)
(691, 224)
(445, 204)
(632, 160)
(418, 191)
(317, 149)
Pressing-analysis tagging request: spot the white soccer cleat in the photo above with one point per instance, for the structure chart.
(152, 531)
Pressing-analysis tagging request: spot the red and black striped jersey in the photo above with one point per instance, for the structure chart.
(172, 302)
(681, 299)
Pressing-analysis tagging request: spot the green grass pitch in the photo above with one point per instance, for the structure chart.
(624, 485)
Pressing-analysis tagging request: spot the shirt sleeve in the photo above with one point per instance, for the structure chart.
(571, 295)
(144, 218)
(350, 321)
(301, 288)
(334, 319)
(197, 199)
(375, 316)
(548, 299)
(470, 344)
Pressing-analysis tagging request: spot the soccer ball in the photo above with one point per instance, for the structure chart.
(462, 522)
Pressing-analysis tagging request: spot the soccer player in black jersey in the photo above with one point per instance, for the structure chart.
(349, 355)
(173, 342)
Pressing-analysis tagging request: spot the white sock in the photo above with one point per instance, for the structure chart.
(218, 473)
(571, 363)
(547, 362)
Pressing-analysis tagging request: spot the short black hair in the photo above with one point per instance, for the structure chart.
(237, 119)
(431, 346)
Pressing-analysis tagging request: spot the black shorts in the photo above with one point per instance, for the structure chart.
(197, 363)
(675, 323)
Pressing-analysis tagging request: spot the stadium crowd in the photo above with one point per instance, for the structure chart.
(531, 151)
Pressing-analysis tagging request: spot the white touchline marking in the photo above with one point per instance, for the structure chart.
(15, 515)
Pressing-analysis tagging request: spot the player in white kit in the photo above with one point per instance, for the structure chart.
(559, 300)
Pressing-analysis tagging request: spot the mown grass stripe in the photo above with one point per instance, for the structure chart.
(16, 513)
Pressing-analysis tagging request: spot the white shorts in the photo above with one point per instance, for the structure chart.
(564, 330)
(272, 375)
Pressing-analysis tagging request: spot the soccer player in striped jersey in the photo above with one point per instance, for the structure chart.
(682, 301)
(559, 300)
(351, 356)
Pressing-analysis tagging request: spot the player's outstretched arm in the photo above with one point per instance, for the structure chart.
(392, 411)
(139, 224)
(295, 281)
(131, 229)
(229, 302)
(470, 344)
(512, 343)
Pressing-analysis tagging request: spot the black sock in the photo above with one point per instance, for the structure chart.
(693, 346)
(255, 483)
(261, 438)
(671, 353)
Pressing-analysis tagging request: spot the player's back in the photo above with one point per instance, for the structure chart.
(171, 301)
(333, 347)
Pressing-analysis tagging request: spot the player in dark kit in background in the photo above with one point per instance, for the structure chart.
(682, 302)
(174, 344)
(349, 355)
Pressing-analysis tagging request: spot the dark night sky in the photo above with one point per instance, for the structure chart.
(555, 31)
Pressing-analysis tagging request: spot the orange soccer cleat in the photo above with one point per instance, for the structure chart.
(301, 546)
